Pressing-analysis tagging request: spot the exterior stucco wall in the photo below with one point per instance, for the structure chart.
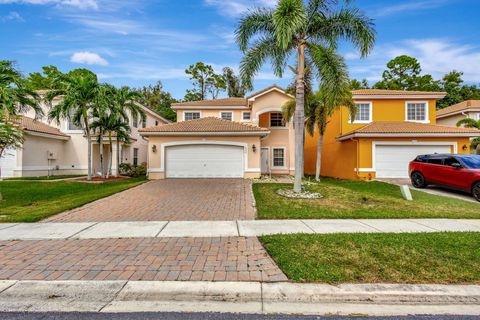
(451, 120)
(156, 159)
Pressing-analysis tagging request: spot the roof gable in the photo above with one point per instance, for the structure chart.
(267, 90)
(459, 107)
(396, 94)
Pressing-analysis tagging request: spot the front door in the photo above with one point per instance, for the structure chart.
(264, 161)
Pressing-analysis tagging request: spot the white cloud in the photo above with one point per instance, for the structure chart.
(235, 8)
(410, 6)
(436, 56)
(86, 57)
(81, 4)
(12, 16)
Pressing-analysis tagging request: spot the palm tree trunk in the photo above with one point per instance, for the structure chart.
(299, 119)
(117, 173)
(477, 150)
(110, 154)
(319, 156)
(100, 137)
(89, 148)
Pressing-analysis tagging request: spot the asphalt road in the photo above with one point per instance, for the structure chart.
(199, 316)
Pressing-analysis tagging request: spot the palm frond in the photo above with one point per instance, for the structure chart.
(469, 123)
(259, 21)
(289, 19)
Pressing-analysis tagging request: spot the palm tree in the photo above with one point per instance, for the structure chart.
(79, 89)
(15, 96)
(311, 31)
(472, 123)
(119, 127)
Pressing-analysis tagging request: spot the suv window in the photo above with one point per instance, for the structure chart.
(438, 161)
(451, 160)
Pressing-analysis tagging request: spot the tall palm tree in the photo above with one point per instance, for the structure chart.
(118, 126)
(472, 123)
(310, 30)
(79, 89)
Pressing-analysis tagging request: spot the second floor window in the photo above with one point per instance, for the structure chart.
(416, 111)
(72, 126)
(276, 119)
(246, 116)
(144, 122)
(363, 112)
(191, 116)
(135, 121)
(228, 115)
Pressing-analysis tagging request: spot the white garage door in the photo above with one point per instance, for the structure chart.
(391, 161)
(8, 162)
(204, 161)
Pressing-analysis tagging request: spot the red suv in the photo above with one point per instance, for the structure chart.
(456, 171)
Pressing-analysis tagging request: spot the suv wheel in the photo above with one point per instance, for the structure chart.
(476, 191)
(418, 180)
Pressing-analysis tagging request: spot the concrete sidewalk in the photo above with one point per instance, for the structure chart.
(235, 297)
(242, 228)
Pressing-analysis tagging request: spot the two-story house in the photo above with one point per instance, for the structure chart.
(52, 148)
(390, 129)
(233, 137)
(449, 116)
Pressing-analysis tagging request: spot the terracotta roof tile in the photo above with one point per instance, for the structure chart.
(375, 92)
(207, 124)
(464, 105)
(410, 127)
(228, 102)
(265, 90)
(29, 124)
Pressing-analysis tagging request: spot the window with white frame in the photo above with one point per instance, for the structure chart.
(276, 119)
(278, 157)
(135, 156)
(416, 111)
(71, 126)
(476, 116)
(246, 116)
(191, 115)
(226, 115)
(364, 112)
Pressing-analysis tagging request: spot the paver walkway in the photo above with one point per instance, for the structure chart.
(207, 259)
(171, 199)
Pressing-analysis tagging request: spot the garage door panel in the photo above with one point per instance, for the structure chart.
(204, 161)
(391, 161)
(8, 163)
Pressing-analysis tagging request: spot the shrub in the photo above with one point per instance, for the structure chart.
(126, 169)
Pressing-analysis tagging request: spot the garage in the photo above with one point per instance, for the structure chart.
(204, 161)
(8, 163)
(391, 161)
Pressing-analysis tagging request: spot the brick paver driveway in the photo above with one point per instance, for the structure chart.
(171, 199)
(208, 259)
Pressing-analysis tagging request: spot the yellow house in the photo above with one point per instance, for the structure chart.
(389, 130)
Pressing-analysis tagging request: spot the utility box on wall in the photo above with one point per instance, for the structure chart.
(51, 155)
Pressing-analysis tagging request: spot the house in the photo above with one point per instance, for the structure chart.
(389, 130)
(233, 137)
(451, 115)
(52, 148)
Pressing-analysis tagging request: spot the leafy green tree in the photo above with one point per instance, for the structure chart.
(157, 99)
(205, 80)
(359, 84)
(472, 123)
(310, 31)
(15, 96)
(404, 73)
(44, 80)
(234, 85)
(192, 95)
(79, 89)
(457, 92)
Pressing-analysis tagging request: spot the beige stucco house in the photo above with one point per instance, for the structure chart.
(61, 148)
(232, 137)
(451, 115)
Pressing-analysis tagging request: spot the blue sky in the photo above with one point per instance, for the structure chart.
(138, 42)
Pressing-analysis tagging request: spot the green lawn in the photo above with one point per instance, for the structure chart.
(443, 258)
(358, 199)
(30, 201)
(64, 176)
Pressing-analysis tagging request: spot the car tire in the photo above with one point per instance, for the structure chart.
(476, 191)
(418, 180)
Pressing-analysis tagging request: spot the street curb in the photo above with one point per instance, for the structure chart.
(239, 297)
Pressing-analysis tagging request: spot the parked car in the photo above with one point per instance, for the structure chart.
(456, 171)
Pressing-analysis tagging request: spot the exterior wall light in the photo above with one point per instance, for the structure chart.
(464, 148)
(154, 149)
(254, 148)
